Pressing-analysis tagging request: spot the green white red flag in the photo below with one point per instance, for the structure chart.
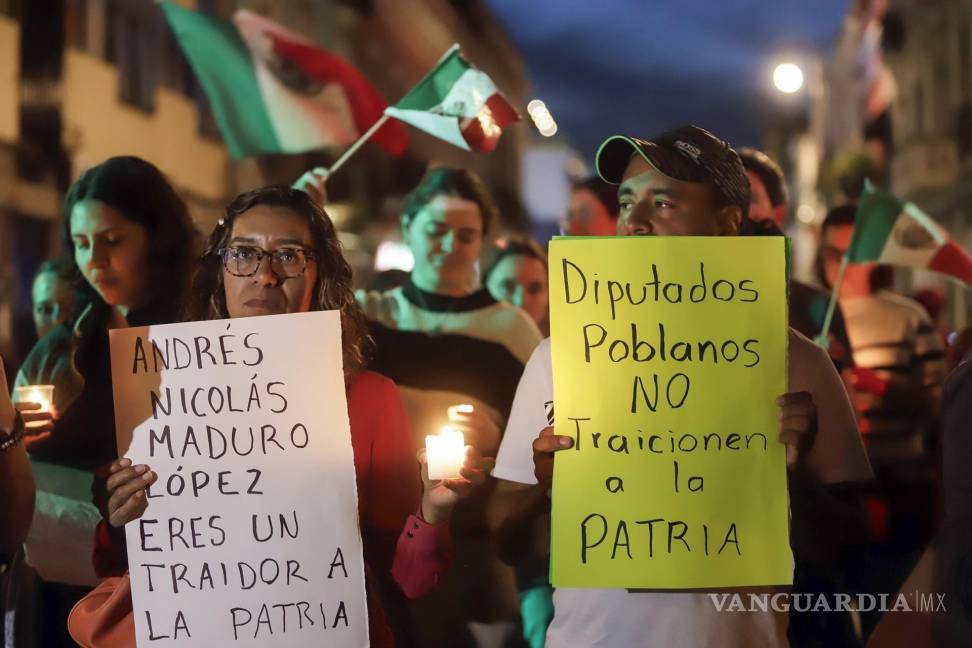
(457, 103)
(894, 232)
(273, 91)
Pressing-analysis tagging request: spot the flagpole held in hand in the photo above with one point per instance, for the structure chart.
(357, 144)
(823, 339)
(313, 181)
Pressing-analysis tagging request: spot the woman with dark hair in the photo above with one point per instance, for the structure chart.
(457, 354)
(276, 252)
(131, 239)
(518, 275)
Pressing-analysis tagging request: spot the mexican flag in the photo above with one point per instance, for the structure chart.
(457, 103)
(273, 91)
(888, 230)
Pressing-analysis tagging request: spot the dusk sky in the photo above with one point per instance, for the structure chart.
(640, 66)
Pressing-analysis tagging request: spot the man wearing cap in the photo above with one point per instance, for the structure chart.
(685, 182)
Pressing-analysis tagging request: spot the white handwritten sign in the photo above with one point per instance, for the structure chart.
(251, 535)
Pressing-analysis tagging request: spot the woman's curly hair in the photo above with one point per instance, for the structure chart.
(332, 291)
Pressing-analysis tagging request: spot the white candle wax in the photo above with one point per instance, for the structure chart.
(445, 453)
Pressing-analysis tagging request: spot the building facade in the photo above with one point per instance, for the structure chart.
(83, 80)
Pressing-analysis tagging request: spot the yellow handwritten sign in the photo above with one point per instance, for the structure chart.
(668, 356)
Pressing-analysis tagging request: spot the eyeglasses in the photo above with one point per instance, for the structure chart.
(245, 261)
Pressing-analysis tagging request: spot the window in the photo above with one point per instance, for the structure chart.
(176, 73)
(76, 24)
(128, 45)
(10, 8)
(963, 130)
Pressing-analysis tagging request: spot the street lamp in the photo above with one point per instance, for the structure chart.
(788, 78)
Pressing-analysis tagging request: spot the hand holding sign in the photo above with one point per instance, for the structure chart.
(544, 447)
(668, 355)
(126, 491)
(798, 426)
(237, 434)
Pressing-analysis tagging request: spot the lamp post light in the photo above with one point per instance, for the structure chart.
(788, 78)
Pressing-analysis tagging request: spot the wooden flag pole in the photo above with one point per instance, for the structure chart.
(378, 124)
(357, 144)
(824, 338)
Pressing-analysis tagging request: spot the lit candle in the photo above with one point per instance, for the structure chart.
(445, 453)
(42, 394)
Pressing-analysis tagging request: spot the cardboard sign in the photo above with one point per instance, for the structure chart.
(251, 535)
(668, 356)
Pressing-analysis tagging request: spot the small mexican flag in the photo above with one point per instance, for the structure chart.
(457, 103)
(888, 230)
(273, 91)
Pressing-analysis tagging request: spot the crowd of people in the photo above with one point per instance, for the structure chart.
(464, 562)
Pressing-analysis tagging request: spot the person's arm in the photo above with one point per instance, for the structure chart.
(16, 490)
(16, 476)
(827, 466)
(513, 513)
(405, 514)
(519, 500)
(827, 519)
(423, 553)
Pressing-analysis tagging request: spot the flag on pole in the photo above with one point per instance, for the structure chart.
(274, 91)
(457, 103)
(889, 230)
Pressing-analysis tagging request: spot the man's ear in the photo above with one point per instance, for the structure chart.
(729, 220)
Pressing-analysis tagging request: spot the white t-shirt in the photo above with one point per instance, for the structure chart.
(617, 618)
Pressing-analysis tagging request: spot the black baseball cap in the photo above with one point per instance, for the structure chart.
(686, 153)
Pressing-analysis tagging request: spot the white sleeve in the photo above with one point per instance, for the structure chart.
(532, 412)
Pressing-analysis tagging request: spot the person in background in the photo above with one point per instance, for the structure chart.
(686, 182)
(807, 308)
(518, 275)
(53, 294)
(933, 301)
(276, 251)
(954, 545)
(592, 210)
(447, 342)
(892, 337)
(16, 479)
(959, 344)
(767, 201)
(807, 304)
(131, 238)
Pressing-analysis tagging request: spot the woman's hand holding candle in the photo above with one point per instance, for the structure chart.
(441, 495)
(36, 407)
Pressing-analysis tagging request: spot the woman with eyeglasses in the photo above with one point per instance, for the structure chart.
(131, 239)
(276, 252)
